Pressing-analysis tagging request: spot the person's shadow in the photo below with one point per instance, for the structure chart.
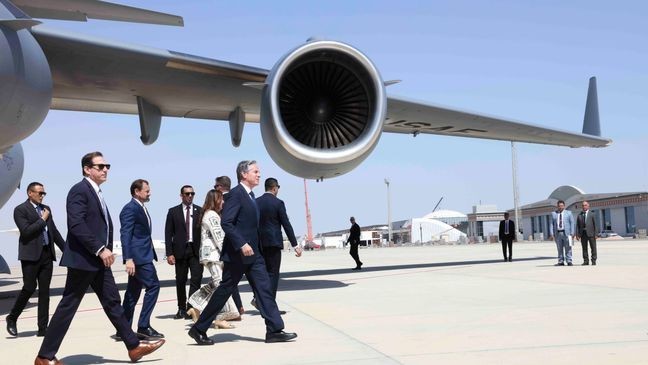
(94, 359)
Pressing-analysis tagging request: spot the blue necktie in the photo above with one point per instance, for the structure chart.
(39, 209)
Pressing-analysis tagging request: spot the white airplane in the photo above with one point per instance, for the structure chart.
(322, 107)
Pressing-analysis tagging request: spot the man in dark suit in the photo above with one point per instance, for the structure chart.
(272, 213)
(182, 240)
(138, 253)
(354, 240)
(507, 235)
(88, 257)
(38, 234)
(240, 255)
(586, 232)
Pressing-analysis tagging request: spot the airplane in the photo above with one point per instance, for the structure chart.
(322, 108)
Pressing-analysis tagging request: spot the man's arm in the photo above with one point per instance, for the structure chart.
(58, 239)
(551, 232)
(28, 230)
(168, 233)
(229, 215)
(285, 223)
(127, 222)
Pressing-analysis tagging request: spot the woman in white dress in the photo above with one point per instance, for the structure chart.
(211, 240)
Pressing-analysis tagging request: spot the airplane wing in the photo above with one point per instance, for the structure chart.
(91, 74)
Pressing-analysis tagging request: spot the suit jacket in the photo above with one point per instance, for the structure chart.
(31, 225)
(511, 230)
(568, 223)
(175, 232)
(135, 234)
(588, 225)
(239, 220)
(88, 229)
(354, 233)
(272, 216)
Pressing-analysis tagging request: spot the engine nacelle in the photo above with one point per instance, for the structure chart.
(12, 164)
(25, 84)
(322, 110)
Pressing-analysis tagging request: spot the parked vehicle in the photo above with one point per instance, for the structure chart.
(609, 234)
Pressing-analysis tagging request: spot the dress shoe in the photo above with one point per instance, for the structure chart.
(180, 315)
(148, 334)
(118, 338)
(200, 337)
(253, 303)
(510, 259)
(585, 263)
(282, 312)
(593, 262)
(280, 336)
(144, 349)
(42, 361)
(11, 327)
(569, 264)
(41, 332)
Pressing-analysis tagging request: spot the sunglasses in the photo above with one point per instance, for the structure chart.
(101, 166)
(189, 193)
(41, 193)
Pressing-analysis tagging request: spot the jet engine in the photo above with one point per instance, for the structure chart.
(25, 82)
(322, 109)
(12, 163)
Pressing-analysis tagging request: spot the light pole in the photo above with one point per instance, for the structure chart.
(389, 225)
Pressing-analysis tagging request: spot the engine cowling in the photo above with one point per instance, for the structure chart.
(25, 85)
(12, 164)
(322, 110)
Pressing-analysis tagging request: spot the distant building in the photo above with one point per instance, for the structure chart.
(623, 213)
(483, 223)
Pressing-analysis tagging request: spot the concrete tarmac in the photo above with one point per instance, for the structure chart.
(408, 305)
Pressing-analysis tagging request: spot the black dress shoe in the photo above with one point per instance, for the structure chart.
(200, 337)
(569, 264)
(11, 327)
(41, 332)
(510, 259)
(282, 312)
(181, 314)
(594, 263)
(280, 336)
(118, 338)
(149, 334)
(585, 263)
(560, 264)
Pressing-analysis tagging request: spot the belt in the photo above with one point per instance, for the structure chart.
(563, 231)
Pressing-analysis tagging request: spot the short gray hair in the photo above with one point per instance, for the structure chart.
(243, 167)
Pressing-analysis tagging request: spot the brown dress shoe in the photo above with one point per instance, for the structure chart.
(42, 361)
(144, 349)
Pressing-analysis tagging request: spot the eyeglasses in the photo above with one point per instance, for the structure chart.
(191, 193)
(42, 193)
(101, 166)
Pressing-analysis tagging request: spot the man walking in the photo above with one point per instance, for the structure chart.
(586, 232)
(138, 253)
(88, 257)
(562, 229)
(272, 213)
(38, 234)
(240, 221)
(354, 240)
(182, 240)
(507, 235)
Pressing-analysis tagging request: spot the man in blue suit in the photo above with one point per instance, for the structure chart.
(562, 229)
(272, 212)
(138, 253)
(241, 255)
(88, 257)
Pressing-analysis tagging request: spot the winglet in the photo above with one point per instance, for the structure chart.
(591, 123)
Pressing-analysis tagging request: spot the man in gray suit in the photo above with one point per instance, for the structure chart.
(586, 232)
(562, 229)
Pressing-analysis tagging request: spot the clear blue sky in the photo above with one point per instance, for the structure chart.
(523, 60)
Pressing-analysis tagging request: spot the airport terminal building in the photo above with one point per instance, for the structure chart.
(624, 213)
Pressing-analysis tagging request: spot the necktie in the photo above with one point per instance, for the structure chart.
(560, 222)
(147, 215)
(187, 225)
(104, 209)
(39, 209)
(255, 204)
(506, 227)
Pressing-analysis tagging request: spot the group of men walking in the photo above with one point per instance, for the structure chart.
(252, 246)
